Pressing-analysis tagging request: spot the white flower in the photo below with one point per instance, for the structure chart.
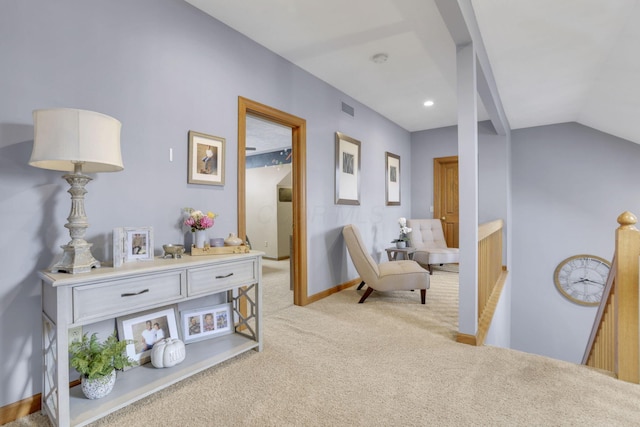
(405, 230)
(402, 221)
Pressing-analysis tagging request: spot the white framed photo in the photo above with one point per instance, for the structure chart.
(207, 322)
(147, 328)
(138, 244)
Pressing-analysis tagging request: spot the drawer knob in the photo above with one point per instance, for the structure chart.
(133, 294)
(224, 277)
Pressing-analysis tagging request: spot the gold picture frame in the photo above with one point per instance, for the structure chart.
(392, 179)
(206, 159)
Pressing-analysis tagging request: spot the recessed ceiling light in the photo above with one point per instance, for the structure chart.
(428, 103)
(380, 58)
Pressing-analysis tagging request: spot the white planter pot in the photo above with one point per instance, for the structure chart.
(98, 387)
(401, 245)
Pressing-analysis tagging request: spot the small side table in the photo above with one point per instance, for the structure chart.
(407, 253)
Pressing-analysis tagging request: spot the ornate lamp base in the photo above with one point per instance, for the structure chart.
(77, 256)
(75, 259)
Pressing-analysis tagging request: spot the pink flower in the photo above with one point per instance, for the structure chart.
(197, 220)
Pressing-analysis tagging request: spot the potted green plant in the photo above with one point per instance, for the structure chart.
(97, 362)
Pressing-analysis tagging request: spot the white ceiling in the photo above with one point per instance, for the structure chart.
(554, 61)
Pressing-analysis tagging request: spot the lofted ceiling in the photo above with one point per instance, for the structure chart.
(553, 61)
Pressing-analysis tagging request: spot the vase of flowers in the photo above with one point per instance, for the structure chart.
(403, 239)
(198, 221)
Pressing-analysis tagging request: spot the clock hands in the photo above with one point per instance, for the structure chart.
(584, 279)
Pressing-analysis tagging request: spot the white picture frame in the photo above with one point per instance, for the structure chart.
(133, 327)
(138, 244)
(118, 247)
(196, 325)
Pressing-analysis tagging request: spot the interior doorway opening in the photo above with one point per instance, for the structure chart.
(257, 113)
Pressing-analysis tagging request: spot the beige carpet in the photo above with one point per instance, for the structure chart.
(388, 362)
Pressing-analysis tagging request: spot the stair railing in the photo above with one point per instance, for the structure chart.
(615, 337)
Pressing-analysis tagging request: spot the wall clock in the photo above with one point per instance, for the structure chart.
(582, 278)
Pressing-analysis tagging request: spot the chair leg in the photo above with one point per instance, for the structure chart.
(430, 270)
(361, 285)
(423, 295)
(366, 294)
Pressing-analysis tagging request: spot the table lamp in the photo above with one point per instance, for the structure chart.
(76, 141)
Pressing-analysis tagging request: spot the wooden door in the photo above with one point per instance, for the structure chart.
(445, 197)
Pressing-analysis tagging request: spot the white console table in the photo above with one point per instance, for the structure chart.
(71, 300)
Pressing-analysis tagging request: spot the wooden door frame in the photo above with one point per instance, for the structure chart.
(299, 178)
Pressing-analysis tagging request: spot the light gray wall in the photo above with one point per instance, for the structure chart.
(162, 68)
(570, 183)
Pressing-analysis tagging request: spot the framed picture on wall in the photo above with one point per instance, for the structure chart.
(347, 170)
(392, 180)
(206, 159)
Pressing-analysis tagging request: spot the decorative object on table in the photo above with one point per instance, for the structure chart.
(167, 353)
(144, 329)
(233, 240)
(198, 222)
(220, 250)
(347, 170)
(138, 243)
(582, 278)
(206, 159)
(76, 141)
(132, 244)
(403, 239)
(392, 182)
(173, 251)
(97, 363)
(216, 242)
(207, 322)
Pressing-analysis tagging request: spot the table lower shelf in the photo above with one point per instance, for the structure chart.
(141, 381)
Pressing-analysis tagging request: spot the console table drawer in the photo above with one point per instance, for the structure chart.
(209, 279)
(133, 294)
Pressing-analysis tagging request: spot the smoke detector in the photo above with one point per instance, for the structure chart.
(380, 58)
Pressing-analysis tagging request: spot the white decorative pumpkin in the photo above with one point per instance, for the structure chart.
(167, 353)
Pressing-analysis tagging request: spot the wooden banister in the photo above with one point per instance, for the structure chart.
(491, 278)
(614, 343)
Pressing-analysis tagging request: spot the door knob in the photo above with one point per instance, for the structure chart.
(444, 218)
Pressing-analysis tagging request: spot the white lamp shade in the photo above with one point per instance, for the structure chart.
(65, 136)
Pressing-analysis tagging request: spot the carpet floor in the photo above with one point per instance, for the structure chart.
(388, 362)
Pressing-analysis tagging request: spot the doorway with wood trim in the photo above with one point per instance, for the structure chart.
(445, 197)
(298, 149)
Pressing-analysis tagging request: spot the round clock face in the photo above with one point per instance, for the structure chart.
(582, 278)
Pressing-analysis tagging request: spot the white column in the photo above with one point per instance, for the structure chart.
(468, 188)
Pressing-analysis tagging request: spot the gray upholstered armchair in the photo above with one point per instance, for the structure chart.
(388, 276)
(431, 248)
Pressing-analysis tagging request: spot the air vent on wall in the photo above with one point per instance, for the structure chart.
(348, 109)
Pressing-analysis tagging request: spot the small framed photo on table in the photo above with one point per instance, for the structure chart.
(146, 329)
(132, 244)
(207, 322)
